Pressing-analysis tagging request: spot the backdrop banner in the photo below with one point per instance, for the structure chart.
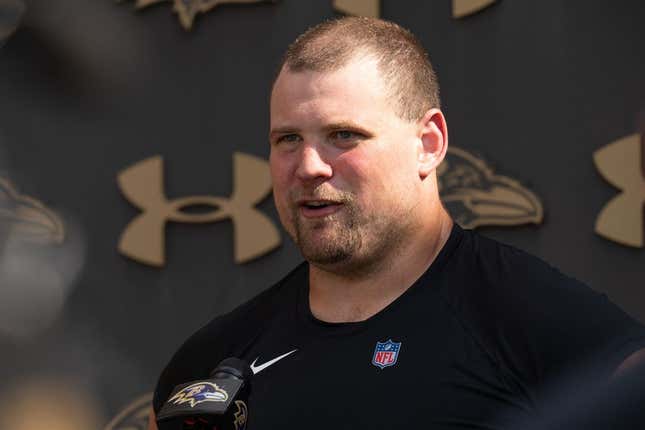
(135, 198)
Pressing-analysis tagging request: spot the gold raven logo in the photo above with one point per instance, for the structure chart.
(199, 392)
(475, 196)
(187, 10)
(29, 218)
(142, 184)
(622, 164)
(134, 416)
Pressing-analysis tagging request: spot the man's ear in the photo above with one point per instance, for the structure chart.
(433, 133)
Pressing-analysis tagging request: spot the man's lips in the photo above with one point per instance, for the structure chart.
(318, 208)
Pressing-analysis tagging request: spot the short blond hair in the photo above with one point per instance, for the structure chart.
(402, 61)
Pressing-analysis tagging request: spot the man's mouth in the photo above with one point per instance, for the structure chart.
(318, 208)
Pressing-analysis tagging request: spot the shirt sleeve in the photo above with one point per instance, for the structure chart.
(193, 360)
(560, 325)
(540, 326)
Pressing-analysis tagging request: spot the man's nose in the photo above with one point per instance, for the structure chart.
(312, 164)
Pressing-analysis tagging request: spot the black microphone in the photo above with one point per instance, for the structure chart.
(217, 403)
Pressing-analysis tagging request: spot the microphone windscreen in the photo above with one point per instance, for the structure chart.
(233, 367)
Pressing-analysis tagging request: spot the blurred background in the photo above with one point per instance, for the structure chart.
(127, 129)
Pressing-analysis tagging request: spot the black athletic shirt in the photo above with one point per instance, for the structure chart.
(481, 336)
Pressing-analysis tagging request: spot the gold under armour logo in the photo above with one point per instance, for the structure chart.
(142, 185)
(462, 8)
(621, 163)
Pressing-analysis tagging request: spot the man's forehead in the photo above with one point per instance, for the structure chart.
(356, 83)
(357, 68)
(329, 65)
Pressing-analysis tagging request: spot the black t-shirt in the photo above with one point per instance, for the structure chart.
(479, 337)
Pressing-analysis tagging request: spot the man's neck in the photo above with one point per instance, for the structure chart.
(337, 298)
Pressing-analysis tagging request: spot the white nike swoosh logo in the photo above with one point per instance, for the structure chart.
(261, 367)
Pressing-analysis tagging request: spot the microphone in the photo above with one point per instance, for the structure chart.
(217, 403)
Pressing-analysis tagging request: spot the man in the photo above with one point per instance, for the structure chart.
(398, 317)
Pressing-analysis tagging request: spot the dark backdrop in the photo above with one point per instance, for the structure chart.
(88, 88)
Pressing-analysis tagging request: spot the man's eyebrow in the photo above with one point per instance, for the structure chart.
(347, 125)
(282, 130)
(341, 125)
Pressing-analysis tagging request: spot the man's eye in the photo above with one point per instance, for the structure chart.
(288, 138)
(344, 134)
(346, 139)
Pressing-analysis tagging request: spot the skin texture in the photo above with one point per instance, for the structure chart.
(152, 420)
(335, 138)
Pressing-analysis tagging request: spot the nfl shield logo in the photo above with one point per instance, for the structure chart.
(386, 353)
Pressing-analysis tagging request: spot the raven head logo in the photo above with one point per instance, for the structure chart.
(475, 196)
(29, 218)
(187, 10)
(199, 392)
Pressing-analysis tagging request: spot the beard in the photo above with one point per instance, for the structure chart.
(330, 240)
(350, 241)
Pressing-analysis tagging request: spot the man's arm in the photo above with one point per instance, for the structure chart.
(152, 420)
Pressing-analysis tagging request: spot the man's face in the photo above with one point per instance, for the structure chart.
(343, 165)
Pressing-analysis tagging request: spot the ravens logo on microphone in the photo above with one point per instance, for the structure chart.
(197, 393)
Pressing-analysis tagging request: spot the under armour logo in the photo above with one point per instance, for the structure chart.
(143, 239)
(462, 8)
(622, 164)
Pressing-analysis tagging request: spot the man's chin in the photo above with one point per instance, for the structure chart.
(324, 249)
(326, 259)
(318, 234)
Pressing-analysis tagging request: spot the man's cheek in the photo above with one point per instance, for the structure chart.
(285, 212)
(281, 205)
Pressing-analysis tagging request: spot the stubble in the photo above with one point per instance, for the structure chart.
(349, 241)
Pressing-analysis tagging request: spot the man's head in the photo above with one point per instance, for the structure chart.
(401, 59)
(356, 136)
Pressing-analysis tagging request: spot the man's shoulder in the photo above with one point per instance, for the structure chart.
(253, 313)
(520, 308)
(269, 301)
(502, 282)
(228, 334)
(497, 265)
